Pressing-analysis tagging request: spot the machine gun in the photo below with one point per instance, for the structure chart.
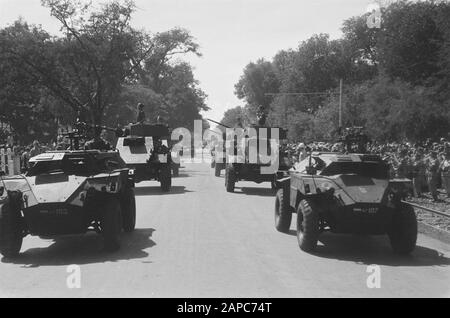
(80, 132)
(216, 122)
(354, 136)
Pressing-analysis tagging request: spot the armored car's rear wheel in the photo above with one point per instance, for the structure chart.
(230, 179)
(128, 206)
(165, 177)
(11, 231)
(308, 227)
(111, 224)
(403, 233)
(283, 214)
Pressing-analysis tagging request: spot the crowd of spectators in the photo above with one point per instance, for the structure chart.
(427, 164)
(24, 153)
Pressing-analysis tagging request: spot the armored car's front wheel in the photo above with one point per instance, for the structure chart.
(11, 232)
(283, 214)
(111, 224)
(128, 206)
(230, 179)
(308, 227)
(165, 177)
(403, 232)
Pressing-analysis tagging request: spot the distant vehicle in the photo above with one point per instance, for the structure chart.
(146, 150)
(245, 169)
(345, 193)
(64, 193)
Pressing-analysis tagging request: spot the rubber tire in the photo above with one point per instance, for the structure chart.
(230, 179)
(128, 207)
(403, 234)
(175, 171)
(217, 170)
(111, 224)
(11, 232)
(308, 229)
(165, 177)
(283, 213)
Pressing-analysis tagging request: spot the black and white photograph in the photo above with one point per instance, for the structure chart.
(224, 154)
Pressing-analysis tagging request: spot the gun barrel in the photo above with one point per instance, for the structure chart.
(216, 122)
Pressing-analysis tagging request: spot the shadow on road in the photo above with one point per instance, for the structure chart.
(156, 190)
(375, 250)
(182, 175)
(85, 249)
(262, 192)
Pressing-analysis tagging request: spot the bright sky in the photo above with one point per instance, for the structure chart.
(231, 33)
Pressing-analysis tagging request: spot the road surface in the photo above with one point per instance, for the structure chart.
(200, 241)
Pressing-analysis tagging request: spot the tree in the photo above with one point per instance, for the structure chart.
(102, 66)
(259, 80)
(411, 40)
(231, 116)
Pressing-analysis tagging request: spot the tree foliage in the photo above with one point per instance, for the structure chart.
(99, 65)
(396, 78)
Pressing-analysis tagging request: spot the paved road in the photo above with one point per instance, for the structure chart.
(199, 241)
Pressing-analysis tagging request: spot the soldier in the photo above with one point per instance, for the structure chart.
(141, 114)
(239, 123)
(61, 143)
(419, 177)
(97, 142)
(24, 159)
(432, 173)
(36, 150)
(445, 173)
(160, 120)
(261, 116)
(301, 151)
(403, 167)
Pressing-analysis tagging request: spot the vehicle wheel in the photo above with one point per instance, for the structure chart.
(165, 178)
(283, 214)
(111, 224)
(11, 231)
(403, 234)
(217, 170)
(176, 171)
(307, 226)
(128, 207)
(230, 179)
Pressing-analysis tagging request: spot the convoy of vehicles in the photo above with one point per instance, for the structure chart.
(74, 191)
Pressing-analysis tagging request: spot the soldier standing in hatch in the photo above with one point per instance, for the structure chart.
(97, 142)
(261, 116)
(141, 114)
